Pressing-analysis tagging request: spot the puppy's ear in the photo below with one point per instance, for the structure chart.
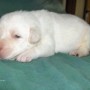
(35, 35)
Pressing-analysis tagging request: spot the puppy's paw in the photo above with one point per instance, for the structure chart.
(26, 56)
(74, 53)
(22, 58)
(79, 52)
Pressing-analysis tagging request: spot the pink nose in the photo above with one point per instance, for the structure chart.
(4, 49)
(1, 52)
(1, 49)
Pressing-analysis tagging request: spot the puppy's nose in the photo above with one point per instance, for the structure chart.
(1, 48)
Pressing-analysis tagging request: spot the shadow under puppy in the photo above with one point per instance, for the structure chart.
(27, 35)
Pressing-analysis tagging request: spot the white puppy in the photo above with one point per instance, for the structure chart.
(28, 35)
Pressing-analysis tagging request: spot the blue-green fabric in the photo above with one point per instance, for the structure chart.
(12, 5)
(58, 72)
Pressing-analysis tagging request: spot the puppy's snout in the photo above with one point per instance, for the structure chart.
(1, 52)
(3, 49)
(1, 45)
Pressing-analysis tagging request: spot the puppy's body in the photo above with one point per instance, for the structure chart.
(42, 33)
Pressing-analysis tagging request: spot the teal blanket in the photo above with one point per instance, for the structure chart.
(58, 72)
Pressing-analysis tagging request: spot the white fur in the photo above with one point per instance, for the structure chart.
(28, 35)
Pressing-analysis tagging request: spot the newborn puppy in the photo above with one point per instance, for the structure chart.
(28, 35)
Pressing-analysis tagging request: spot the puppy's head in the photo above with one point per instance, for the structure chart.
(16, 35)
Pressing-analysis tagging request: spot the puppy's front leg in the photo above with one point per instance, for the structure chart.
(43, 49)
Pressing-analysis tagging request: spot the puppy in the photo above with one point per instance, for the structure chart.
(28, 35)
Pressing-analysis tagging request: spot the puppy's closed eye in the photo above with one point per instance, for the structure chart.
(17, 36)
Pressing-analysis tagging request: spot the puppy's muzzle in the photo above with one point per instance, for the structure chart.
(4, 50)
